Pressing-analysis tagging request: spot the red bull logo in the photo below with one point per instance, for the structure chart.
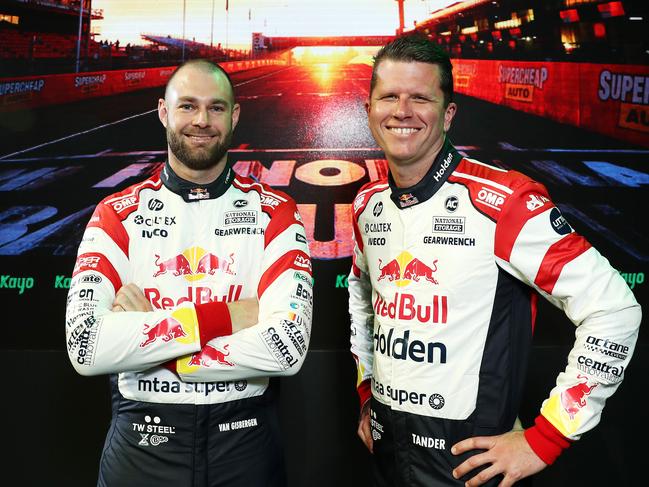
(574, 398)
(413, 270)
(209, 355)
(194, 264)
(168, 329)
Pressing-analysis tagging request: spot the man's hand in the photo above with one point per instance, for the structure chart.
(243, 313)
(509, 454)
(131, 298)
(364, 428)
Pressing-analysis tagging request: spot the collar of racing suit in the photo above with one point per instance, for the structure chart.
(191, 192)
(444, 164)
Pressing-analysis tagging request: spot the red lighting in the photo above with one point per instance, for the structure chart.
(599, 29)
(496, 35)
(570, 15)
(474, 37)
(462, 38)
(512, 44)
(611, 9)
(516, 32)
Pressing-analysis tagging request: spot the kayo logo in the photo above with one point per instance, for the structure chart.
(194, 263)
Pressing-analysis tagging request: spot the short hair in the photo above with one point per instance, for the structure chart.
(417, 47)
(205, 65)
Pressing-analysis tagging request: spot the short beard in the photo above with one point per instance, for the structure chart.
(198, 160)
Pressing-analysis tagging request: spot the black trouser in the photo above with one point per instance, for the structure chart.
(412, 450)
(234, 444)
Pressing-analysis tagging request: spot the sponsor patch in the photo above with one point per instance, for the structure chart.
(248, 217)
(448, 224)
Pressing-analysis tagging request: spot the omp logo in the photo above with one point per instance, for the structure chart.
(123, 203)
(405, 268)
(491, 198)
(194, 264)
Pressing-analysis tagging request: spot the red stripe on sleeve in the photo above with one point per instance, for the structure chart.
(106, 219)
(93, 261)
(515, 215)
(283, 217)
(558, 255)
(294, 259)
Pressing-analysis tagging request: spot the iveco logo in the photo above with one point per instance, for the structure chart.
(378, 208)
(155, 205)
(240, 203)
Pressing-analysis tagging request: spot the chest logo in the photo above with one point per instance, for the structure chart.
(194, 264)
(405, 268)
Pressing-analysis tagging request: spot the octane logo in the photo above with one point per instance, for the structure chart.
(194, 263)
(406, 268)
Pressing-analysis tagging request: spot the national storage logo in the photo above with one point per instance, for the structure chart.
(632, 93)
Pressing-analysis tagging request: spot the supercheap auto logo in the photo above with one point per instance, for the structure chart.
(194, 264)
(632, 93)
(520, 82)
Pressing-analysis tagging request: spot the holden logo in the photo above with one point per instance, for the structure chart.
(378, 208)
(451, 204)
(240, 203)
(155, 205)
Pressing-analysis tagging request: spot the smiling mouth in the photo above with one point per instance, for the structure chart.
(403, 130)
(199, 138)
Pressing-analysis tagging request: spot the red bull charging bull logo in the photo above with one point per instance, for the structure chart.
(574, 398)
(413, 270)
(194, 264)
(403, 270)
(167, 329)
(210, 355)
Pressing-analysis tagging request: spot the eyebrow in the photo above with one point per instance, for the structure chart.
(214, 101)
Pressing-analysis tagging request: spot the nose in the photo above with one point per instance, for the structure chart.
(402, 108)
(201, 119)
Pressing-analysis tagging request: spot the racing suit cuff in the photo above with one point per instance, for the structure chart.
(364, 391)
(545, 440)
(171, 365)
(213, 321)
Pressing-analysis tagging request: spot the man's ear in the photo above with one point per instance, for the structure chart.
(449, 113)
(236, 110)
(162, 112)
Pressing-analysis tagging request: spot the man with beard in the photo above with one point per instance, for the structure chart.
(191, 289)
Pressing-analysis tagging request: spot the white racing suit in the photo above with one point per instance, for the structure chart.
(191, 404)
(443, 294)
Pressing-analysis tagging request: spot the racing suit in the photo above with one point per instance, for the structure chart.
(442, 303)
(191, 403)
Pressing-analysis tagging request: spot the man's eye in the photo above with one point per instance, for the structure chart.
(218, 108)
(186, 106)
